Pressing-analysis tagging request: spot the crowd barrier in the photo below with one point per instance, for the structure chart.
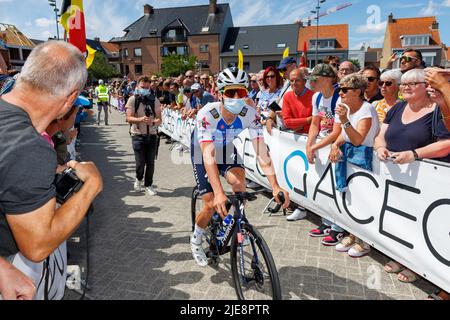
(401, 210)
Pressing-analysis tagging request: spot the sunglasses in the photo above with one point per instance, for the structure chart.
(372, 79)
(231, 93)
(271, 76)
(387, 83)
(346, 90)
(253, 81)
(189, 76)
(407, 59)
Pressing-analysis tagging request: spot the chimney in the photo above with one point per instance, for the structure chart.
(435, 26)
(148, 9)
(391, 18)
(97, 39)
(212, 6)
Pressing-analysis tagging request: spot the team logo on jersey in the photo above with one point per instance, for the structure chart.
(215, 113)
(244, 112)
(257, 120)
(204, 123)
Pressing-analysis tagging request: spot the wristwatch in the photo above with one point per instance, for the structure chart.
(346, 125)
(416, 156)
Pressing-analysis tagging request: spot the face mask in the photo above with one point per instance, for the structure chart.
(234, 106)
(143, 92)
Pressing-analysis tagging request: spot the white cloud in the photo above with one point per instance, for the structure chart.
(372, 28)
(44, 22)
(446, 3)
(430, 9)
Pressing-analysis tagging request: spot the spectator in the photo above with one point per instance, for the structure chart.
(287, 65)
(205, 83)
(197, 78)
(439, 80)
(346, 68)
(360, 126)
(254, 86)
(390, 85)
(297, 110)
(144, 115)
(408, 134)
(14, 285)
(333, 61)
(189, 75)
(410, 59)
(297, 116)
(372, 74)
(51, 79)
(203, 97)
(324, 104)
(272, 90)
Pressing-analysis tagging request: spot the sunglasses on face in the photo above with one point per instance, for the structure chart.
(372, 79)
(407, 59)
(189, 76)
(346, 90)
(231, 93)
(387, 83)
(253, 81)
(271, 76)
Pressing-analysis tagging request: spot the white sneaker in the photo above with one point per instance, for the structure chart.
(138, 186)
(360, 249)
(197, 252)
(298, 214)
(151, 192)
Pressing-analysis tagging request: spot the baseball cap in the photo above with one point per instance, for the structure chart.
(196, 86)
(285, 62)
(322, 70)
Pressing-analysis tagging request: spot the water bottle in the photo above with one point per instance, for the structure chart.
(225, 224)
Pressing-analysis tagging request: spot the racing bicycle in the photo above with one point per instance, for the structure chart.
(254, 274)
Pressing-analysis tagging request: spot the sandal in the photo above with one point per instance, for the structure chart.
(441, 295)
(393, 267)
(409, 275)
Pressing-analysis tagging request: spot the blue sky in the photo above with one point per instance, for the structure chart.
(107, 18)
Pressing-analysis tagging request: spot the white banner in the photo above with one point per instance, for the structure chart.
(402, 211)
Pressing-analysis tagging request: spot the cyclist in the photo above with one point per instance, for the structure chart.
(213, 152)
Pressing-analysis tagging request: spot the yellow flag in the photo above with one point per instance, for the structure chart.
(286, 53)
(90, 56)
(241, 60)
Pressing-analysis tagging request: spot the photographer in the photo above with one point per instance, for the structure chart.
(144, 115)
(31, 228)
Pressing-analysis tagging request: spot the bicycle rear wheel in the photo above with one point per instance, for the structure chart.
(255, 275)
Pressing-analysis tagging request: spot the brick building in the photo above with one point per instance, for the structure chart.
(196, 30)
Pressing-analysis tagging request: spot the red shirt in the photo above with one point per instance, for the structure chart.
(297, 110)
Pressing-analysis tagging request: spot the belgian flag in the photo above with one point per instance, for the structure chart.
(72, 19)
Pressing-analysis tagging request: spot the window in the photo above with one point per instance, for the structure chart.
(137, 52)
(204, 64)
(174, 35)
(14, 53)
(245, 46)
(180, 50)
(281, 45)
(204, 48)
(323, 44)
(232, 47)
(25, 53)
(138, 69)
(125, 53)
(415, 40)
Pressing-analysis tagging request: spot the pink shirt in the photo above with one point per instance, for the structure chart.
(46, 136)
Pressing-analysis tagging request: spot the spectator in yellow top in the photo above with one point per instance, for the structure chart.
(389, 85)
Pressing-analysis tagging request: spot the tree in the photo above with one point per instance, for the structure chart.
(101, 69)
(355, 62)
(174, 64)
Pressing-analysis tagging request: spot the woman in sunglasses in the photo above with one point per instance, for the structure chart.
(390, 85)
(360, 126)
(408, 134)
(272, 89)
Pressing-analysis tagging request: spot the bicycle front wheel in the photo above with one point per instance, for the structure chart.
(255, 275)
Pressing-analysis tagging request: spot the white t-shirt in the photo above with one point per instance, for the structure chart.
(187, 102)
(365, 112)
(324, 110)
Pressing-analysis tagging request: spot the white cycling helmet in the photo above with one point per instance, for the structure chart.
(101, 81)
(232, 77)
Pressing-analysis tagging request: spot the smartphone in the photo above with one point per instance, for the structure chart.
(275, 107)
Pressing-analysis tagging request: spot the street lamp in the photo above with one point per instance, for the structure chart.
(317, 11)
(52, 3)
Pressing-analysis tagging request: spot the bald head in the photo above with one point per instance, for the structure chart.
(55, 68)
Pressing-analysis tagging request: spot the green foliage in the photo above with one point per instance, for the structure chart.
(355, 62)
(101, 69)
(173, 65)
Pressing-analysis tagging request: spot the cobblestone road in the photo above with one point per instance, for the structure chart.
(140, 244)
